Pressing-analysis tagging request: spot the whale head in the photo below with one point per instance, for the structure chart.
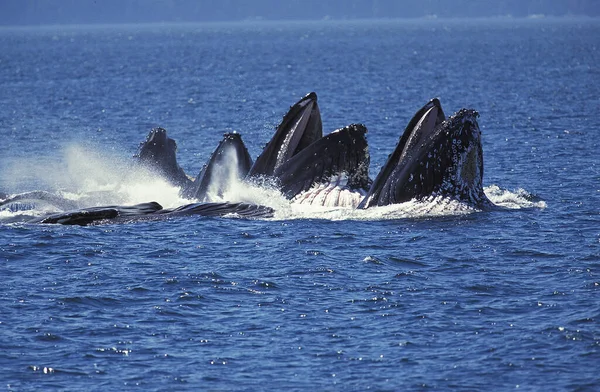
(229, 163)
(159, 154)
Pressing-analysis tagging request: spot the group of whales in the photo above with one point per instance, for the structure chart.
(436, 156)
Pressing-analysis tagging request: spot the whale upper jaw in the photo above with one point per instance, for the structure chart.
(300, 127)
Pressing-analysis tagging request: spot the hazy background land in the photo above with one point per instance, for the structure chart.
(43, 12)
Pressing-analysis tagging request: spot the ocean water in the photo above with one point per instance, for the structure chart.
(407, 297)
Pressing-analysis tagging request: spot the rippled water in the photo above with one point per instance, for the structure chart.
(403, 298)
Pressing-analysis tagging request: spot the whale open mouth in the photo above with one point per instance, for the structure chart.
(401, 177)
(339, 160)
(435, 156)
(298, 132)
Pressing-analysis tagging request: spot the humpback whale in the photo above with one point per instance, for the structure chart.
(435, 156)
(300, 127)
(158, 153)
(153, 211)
(87, 216)
(228, 163)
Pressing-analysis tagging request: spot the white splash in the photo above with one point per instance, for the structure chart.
(225, 178)
(91, 178)
(517, 199)
(107, 177)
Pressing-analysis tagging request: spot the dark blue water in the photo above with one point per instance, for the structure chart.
(497, 300)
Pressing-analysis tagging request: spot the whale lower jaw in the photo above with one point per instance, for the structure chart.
(335, 193)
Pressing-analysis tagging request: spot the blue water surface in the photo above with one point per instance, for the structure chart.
(497, 300)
